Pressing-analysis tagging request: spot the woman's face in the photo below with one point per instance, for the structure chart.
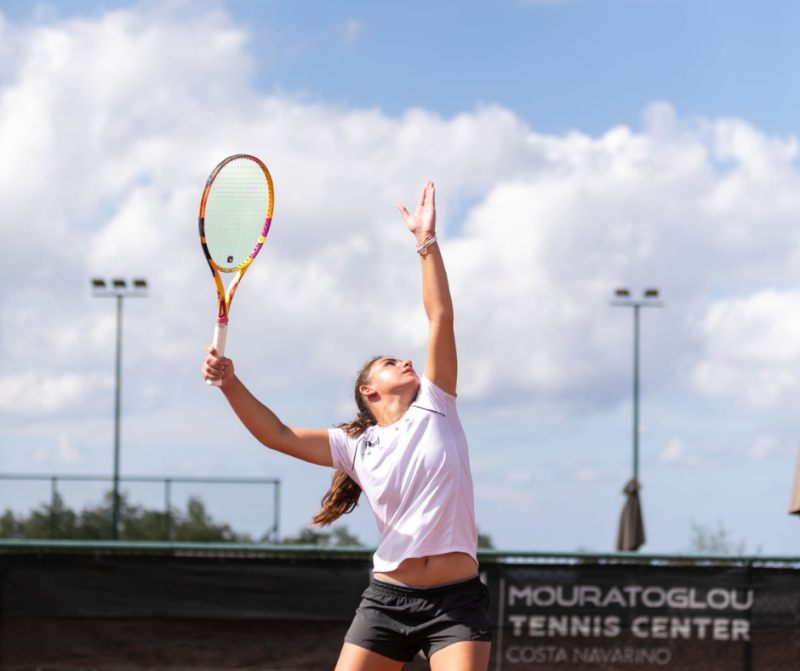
(388, 374)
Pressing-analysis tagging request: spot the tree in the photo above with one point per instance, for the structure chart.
(136, 523)
(485, 541)
(197, 526)
(10, 526)
(719, 541)
(339, 536)
(49, 521)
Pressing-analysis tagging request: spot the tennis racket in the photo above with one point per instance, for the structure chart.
(235, 216)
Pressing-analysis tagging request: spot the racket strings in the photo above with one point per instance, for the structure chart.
(235, 213)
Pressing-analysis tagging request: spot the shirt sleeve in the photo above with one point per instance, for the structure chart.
(433, 398)
(342, 450)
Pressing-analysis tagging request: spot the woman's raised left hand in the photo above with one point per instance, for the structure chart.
(422, 222)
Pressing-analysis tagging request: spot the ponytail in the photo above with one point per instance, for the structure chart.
(344, 492)
(339, 500)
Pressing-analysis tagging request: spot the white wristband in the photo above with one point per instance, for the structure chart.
(422, 249)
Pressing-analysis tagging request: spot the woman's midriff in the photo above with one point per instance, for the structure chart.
(432, 570)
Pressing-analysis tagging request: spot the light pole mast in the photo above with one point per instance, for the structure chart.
(119, 289)
(631, 514)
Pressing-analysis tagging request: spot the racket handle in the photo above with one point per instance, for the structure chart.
(220, 338)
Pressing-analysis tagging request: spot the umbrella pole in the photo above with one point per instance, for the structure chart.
(636, 308)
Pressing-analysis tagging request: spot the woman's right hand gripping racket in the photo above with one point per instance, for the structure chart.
(235, 216)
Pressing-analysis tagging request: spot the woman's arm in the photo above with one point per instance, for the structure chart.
(307, 444)
(441, 367)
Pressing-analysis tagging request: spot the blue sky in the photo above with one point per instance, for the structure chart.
(573, 64)
(577, 145)
(560, 65)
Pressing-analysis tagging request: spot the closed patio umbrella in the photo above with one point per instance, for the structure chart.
(794, 505)
(630, 535)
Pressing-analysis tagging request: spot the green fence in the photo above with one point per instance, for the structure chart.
(77, 605)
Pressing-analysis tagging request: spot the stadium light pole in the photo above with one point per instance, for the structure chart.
(117, 288)
(623, 298)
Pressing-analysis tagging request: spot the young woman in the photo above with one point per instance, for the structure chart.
(407, 452)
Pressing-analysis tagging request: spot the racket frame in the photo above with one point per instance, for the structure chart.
(225, 297)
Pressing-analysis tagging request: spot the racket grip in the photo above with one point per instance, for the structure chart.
(220, 338)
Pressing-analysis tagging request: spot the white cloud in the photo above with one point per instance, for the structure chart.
(589, 474)
(67, 453)
(352, 31)
(28, 395)
(752, 348)
(105, 157)
(519, 497)
(546, 225)
(519, 476)
(675, 452)
(763, 447)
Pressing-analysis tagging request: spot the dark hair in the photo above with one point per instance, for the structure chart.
(343, 495)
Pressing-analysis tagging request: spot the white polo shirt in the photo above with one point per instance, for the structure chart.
(416, 476)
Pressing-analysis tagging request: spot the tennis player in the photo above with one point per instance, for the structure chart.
(407, 451)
